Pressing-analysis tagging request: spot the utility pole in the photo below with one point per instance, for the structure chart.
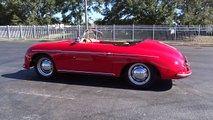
(86, 15)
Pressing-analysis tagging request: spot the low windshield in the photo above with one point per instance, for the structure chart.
(92, 34)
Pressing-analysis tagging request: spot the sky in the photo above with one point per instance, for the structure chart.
(95, 16)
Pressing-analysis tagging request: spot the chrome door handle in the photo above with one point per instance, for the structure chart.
(108, 53)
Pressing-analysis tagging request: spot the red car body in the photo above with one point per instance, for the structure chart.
(109, 59)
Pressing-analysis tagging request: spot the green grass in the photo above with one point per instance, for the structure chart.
(28, 39)
(189, 43)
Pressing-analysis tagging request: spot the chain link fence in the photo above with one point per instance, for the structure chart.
(195, 33)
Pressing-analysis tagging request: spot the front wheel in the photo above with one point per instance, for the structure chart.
(44, 66)
(140, 75)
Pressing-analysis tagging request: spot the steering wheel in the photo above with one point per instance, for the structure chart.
(85, 40)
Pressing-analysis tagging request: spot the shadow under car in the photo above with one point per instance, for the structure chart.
(86, 80)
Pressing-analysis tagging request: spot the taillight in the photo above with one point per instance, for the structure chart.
(186, 60)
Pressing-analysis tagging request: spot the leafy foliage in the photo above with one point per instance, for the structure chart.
(29, 12)
(73, 10)
(194, 12)
(138, 12)
(158, 12)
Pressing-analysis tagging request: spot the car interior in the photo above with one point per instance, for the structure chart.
(90, 36)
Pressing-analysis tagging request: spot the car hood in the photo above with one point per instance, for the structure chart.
(51, 45)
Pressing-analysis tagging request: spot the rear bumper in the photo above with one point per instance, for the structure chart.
(183, 74)
(186, 72)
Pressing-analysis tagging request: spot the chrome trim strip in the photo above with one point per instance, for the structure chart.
(97, 73)
(133, 55)
(82, 52)
(98, 53)
(46, 50)
(79, 52)
(184, 75)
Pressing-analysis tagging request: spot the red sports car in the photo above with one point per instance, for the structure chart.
(141, 63)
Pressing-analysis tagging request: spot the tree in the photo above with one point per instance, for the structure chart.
(149, 12)
(40, 12)
(138, 12)
(9, 12)
(73, 11)
(195, 12)
(28, 12)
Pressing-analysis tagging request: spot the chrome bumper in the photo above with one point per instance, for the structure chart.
(184, 74)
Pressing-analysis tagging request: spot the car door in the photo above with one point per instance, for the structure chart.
(88, 58)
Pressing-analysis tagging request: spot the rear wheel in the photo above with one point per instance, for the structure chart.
(140, 75)
(44, 66)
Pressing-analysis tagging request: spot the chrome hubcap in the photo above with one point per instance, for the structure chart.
(45, 66)
(139, 74)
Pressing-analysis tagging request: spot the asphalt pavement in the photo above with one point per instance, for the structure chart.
(24, 96)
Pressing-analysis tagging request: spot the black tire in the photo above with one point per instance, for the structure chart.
(44, 67)
(140, 75)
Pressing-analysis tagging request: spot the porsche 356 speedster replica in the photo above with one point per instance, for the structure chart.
(140, 63)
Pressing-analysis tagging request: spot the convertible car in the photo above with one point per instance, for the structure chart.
(140, 63)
